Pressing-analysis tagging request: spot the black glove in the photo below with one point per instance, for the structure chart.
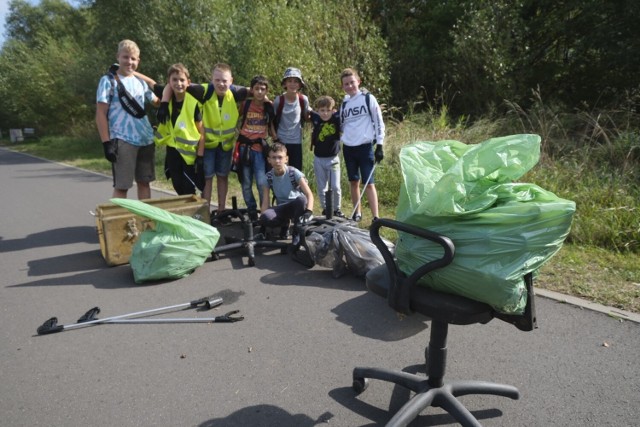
(306, 217)
(110, 150)
(198, 166)
(378, 154)
(163, 112)
(113, 68)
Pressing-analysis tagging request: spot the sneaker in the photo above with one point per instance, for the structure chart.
(295, 240)
(220, 218)
(253, 215)
(338, 213)
(357, 217)
(284, 233)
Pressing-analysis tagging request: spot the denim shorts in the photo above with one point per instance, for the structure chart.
(359, 162)
(217, 162)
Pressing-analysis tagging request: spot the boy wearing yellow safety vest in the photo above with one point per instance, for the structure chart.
(219, 99)
(181, 130)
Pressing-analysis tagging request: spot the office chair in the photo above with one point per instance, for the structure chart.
(405, 296)
(249, 241)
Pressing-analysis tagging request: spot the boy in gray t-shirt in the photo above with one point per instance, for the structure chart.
(294, 199)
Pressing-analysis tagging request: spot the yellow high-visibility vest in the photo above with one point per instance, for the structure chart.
(220, 123)
(184, 136)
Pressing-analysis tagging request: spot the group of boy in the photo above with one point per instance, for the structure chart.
(208, 128)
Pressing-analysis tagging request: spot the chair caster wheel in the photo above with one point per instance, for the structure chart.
(360, 384)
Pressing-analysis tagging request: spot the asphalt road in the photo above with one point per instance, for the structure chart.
(288, 363)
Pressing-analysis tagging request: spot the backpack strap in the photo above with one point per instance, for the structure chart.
(292, 177)
(245, 110)
(208, 94)
(270, 179)
(301, 101)
(269, 112)
(276, 119)
(367, 98)
(280, 108)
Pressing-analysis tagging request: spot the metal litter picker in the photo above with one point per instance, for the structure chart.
(364, 189)
(88, 319)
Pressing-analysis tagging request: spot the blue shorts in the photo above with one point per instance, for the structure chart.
(217, 162)
(359, 162)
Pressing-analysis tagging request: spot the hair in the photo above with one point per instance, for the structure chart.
(176, 69)
(349, 72)
(278, 147)
(259, 79)
(325, 101)
(222, 67)
(129, 46)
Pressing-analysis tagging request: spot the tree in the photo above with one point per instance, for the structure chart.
(40, 63)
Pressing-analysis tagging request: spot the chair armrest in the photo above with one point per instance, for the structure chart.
(526, 321)
(399, 295)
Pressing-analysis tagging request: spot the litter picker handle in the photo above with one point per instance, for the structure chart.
(208, 302)
(213, 303)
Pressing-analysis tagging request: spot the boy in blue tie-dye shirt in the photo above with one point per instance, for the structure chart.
(127, 138)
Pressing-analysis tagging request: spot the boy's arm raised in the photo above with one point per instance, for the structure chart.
(148, 80)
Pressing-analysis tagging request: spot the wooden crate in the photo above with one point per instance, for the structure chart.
(118, 229)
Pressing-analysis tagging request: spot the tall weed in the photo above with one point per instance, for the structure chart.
(592, 157)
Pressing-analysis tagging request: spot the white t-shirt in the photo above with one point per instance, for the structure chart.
(123, 125)
(359, 126)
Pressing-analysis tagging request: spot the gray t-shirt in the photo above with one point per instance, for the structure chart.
(290, 127)
(282, 185)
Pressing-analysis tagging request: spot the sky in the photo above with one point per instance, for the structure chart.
(4, 9)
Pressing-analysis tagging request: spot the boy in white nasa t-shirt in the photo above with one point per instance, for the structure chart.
(362, 128)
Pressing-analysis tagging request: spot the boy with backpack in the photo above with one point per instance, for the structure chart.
(249, 155)
(183, 134)
(294, 199)
(325, 143)
(125, 131)
(362, 130)
(292, 109)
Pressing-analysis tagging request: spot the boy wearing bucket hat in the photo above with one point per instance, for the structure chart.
(292, 109)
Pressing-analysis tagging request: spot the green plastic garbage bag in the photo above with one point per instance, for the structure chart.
(175, 248)
(501, 230)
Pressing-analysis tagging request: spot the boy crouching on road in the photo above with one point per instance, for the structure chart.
(294, 199)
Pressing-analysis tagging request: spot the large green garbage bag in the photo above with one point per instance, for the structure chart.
(175, 248)
(502, 230)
